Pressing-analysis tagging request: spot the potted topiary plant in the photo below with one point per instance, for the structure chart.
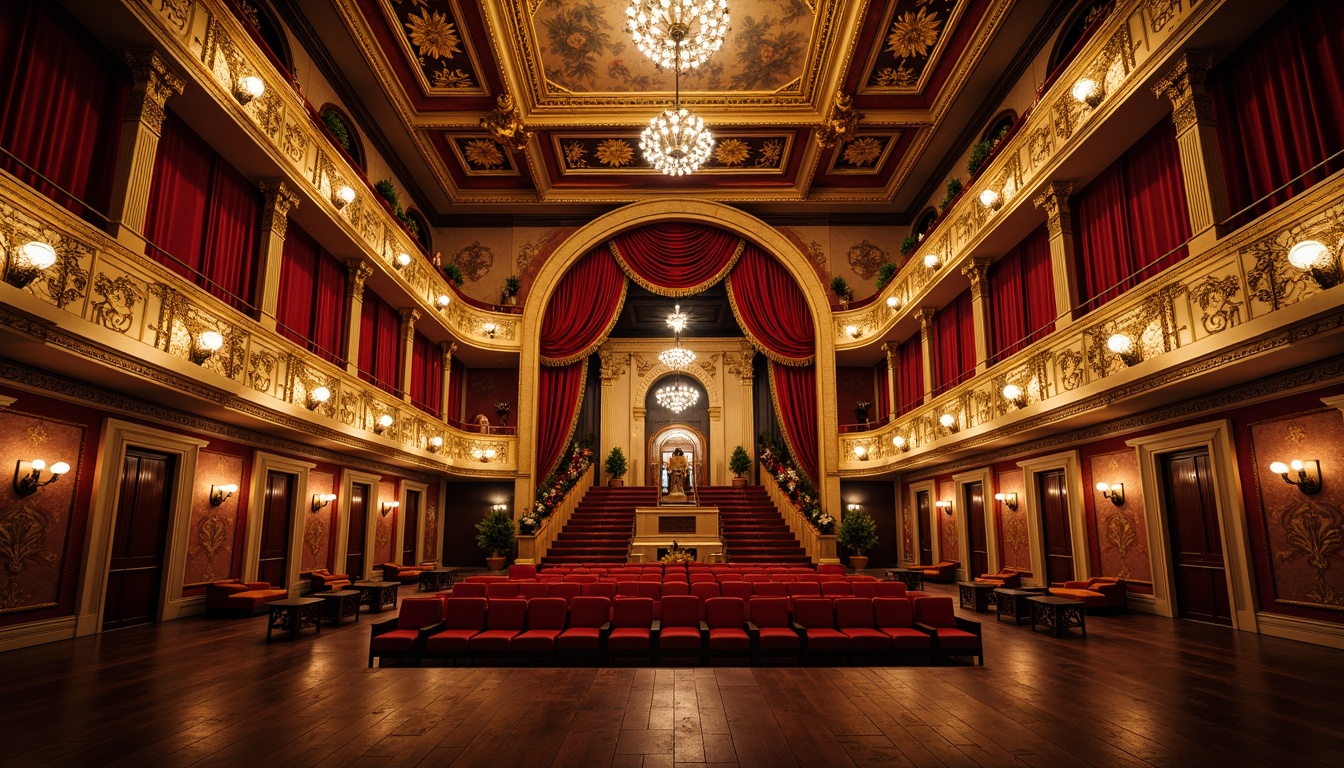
(494, 535)
(739, 464)
(615, 467)
(454, 273)
(842, 291)
(858, 532)
(511, 286)
(885, 273)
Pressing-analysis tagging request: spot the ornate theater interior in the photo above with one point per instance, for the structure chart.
(672, 382)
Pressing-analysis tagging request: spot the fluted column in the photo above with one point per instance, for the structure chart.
(274, 221)
(925, 315)
(406, 333)
(1054, 200)
(357, 272)
(893, 368)
(977, 271)
(446, 383)
(141, 127)
(1197, 138)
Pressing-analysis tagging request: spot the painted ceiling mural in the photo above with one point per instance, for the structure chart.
(432, 38)
(909, 41)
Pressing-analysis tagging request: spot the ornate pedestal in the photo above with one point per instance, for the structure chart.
(694, 528)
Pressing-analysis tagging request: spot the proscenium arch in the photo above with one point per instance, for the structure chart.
(636, 215)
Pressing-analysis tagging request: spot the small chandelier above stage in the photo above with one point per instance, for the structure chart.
(677, 397)
(677, 141)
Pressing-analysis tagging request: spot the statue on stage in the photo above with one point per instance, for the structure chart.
(677, 470)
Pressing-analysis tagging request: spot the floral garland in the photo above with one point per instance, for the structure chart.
(557, 485)
(797, 487)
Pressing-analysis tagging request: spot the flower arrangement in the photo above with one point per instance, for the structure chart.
(802, 494)
(675, 554)
(557, 485)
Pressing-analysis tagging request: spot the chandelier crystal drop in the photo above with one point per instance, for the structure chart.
(677, 397)
(676, 142)
(677, 358)
(678, 33)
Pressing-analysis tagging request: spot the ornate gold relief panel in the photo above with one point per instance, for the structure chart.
(212, 529)
(1122, 531)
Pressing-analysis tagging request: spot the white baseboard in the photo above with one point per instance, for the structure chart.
(36, 633)
(1302, 630)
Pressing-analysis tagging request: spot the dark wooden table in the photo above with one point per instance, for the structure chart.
(340, 604)
(980, 595)
(438, 578)
(1013, 604)
(294, 615)
(913, 580)
(377, 595)
(1058, 614)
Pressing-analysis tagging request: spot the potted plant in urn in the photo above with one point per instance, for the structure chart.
(842, 291)
(858, 533)
(511, 286)
(615, 467)
(494, 535)
(739, 464)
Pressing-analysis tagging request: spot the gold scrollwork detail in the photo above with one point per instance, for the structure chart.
(1214, 295)
(115, 310)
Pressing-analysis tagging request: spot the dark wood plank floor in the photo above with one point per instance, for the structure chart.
(1139, 690)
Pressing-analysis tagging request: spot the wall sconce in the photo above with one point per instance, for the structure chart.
(932, 261)
(321, 500)
(1008, 500)
(32, 259)
(499, 507)
(207, 344)
(317, 396)
(860, 453)
(248, 88)
(1014, 394)
(1124, 346)
(1113, 491)
(946, 506)
(435, 444)
(1308, 474)
(343, 196)
(489, 329)
(483, 454)
(900, 443)
(380, 426)
(389, 506)
(948, 422)
(894, 303)
(852, 331)
(853, 507)
(1314, 257)
(28, 475)
(443, 301)
(402, 260)
(220, 493)
(991, 199)
(1089, 92)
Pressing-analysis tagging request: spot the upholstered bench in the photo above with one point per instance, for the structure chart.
(240, 597)
(1097, 593)
(322, 580)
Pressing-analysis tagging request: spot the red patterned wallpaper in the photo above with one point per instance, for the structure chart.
(385, 531)
(317, 525)
(431, 534)
(213, 530)
(950, 541)
(487, 386)
(1011, 525)
(1121, 532)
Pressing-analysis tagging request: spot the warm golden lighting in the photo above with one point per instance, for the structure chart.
(893, 303)
(343, 196)
(1313, 256)
(852, 331)
(220, 493)
(1124, 346)
(249, 88)
(403, 260)
(489, 329)
(991, 200)
(860, 452)
(318, 396)
(1014, 394)
(383, 423)
(1305, 474)
(948, 422)
(207, 344)
(932, 261)
(443, 301)
(1088, 91)
(1113, 491)
(1008, 500)
(435, 444)
(28, 475)
(321, 500)
(900, 443)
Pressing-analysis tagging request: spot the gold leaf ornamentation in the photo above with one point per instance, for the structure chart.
(211, 535)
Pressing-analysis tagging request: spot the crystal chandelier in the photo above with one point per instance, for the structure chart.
(676, 141)
(676, 397)
(678, 32)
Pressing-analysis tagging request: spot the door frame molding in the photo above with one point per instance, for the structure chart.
(934, 544)
(348, 478)
(984, 476)
(1073, 477)
(117, 436)
(1216, 438)
(400, 538)
(263, 464)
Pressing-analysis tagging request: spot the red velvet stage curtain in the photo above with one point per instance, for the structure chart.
(1279, 103)
(312, 305)
(456, 371)
(770, 308)
(204, 218)
(379, 347)
(1131, 221)
(559, 392)
(62, 97)
(678, 258)
(953, 343)
(426, 374)
(1022, 296)
(883, 399)
(795, 391)
(910, 375)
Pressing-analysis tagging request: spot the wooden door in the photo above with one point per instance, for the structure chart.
(925, 527)
(411, 515)
(1054, 495)
(135, 573)
(354, 540)
(975, 517)
(278, 507)
(1196, 542)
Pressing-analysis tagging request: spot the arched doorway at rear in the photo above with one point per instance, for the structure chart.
(660, 445)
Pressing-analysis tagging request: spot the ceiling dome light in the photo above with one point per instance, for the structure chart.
(676, 142)
(678, 33)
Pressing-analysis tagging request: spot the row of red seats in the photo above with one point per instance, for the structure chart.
(589, 578)
(704, 590)
(601, 628)
(530, 571)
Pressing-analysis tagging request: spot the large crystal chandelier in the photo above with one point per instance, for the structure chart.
(676, 397)
(676, 141)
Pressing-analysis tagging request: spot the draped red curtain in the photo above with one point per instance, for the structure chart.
(1132, 221)
(678, 258)
(426, 374)
(559, 390)
(953, 343)
(883, 399)
(62, 97)
(312, 302)
(379, 346)
(910, 376)
(1279, 103)
(204, 218)
(795, 389)
(770, 308)
(456, 370)
(583, 308)
(1022, 296)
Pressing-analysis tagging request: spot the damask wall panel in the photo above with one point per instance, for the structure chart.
(487, 386)
(385, 531)
(430, 536)
(317, 526)
(214, 530)
(1119, 534)
(1011, 525)
(949, 532)
(852, 386)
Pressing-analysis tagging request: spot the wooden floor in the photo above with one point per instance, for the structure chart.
(1139, 690)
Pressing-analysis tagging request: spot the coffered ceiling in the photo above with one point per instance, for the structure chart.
(424, 73)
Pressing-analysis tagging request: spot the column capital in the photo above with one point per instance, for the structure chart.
(357, 271)
(925, 317)
(448, 348)
(890, 348)
(280, 200)
(1054, 200)
(976, 270)
(152, 84)
(408, 317)
(613, 365)
(1184, 86)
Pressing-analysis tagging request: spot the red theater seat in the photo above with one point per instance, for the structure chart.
(836, 589)
(772, 632)
(463, 617)
(854, 619)
(890, 589)
(631, 627)
(403, 637)
(589, 619)
(566, 591)
(531, 590)
(501, 590)
(680, 633)
(545, 623)
(953, 635)
(505, 619)
(895, 617)
(814, 618)
(522, 572)
(726, 620)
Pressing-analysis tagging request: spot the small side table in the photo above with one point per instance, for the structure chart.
(1013, 604)
(294, 615)
(340, 604)
(913, 580)
(980, 595)
(377, 595)
(437, 579)
(1058, 614)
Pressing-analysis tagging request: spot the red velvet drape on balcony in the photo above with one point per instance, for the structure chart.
(204, 218)
(770, 308)
(677, 258)
(456, 371)
(1021, 295)
(312, 302)
(953, 343)
(795, 391)
(883, 398)
(1131, 221)
(379, 346)
(62, 97)
(426, 374)
(1279, 103)
(910, 376)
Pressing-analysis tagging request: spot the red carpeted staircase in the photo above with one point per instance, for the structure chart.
(753, 530)
(599, 530)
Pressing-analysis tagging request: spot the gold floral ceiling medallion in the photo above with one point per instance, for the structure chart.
(840, 124)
